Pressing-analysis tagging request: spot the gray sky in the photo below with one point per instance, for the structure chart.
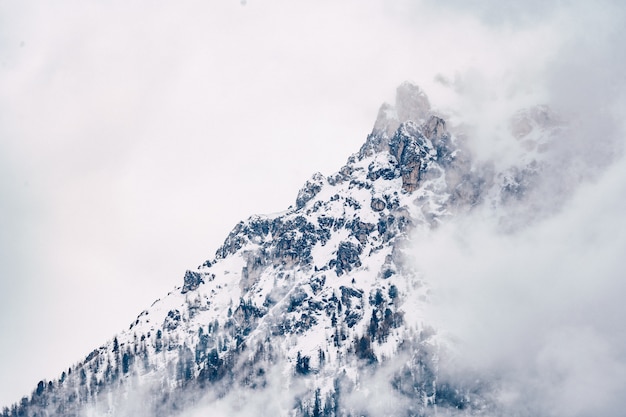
(133, 136)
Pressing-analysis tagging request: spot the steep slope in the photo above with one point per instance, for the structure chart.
(315, 302)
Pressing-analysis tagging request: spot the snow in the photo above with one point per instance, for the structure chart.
(295, 297)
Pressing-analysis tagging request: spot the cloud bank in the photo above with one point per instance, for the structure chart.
(538, 310)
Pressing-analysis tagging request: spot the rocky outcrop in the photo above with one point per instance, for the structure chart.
(411, 134)
(347, 257)
(386, 124)
(412, 104)
(192, 280)
(411, 151)
(315, 290)
(377, 204)
(525, 121)
(310, 189)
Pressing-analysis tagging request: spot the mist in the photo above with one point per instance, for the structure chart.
(536, 309)
(541, 307)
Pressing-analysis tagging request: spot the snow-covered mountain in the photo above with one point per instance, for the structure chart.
(317, 310)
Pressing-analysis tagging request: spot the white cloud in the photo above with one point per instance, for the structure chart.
(540, 308)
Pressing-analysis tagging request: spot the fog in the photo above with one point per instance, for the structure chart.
(538, 308)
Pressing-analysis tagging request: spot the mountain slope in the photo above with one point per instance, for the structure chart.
(317, 302)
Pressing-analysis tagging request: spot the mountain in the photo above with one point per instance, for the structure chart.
(318, 310)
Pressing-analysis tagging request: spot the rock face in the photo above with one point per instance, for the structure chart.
(192, 280)
(310, 189)
(411, 103)
(319, 294)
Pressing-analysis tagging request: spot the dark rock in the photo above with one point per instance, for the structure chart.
(384, 173)
(377, 204)
(347, 257)
(347, 292)
(353, 318)
(353, 203)
(292, 240)
(172, 320)
(435, 130)
(387, 273)
(361, 230)
(233, 242)
(317, 283)
(405, 147)
(310, 190)
(386, 228)
(257, 228)
(325, 222)
(192, 281)
(339, 223)
(392, 202)
(296, 299)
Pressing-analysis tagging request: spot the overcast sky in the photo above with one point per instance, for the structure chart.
(135, 135)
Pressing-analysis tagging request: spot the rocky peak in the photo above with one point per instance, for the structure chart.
(386, 121)
(413, 145)
(435, 128)
(310, 189)
(413, 152)
(411, 103)
(319, 292)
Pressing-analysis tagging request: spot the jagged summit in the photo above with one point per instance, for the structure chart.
(319, 294)
(411, 104)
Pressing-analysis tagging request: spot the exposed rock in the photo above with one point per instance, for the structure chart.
(311, 268)
(172, 321)
(347, 257)
(405, 148)
(411, 103)
(377, 204)
(233, 242)
(383, 167)
(361, 230)
(192, 281)
(347, 292)
(435, 128)
(310, 189)
(384, 127)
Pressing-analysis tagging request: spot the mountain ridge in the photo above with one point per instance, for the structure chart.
(320, 294)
